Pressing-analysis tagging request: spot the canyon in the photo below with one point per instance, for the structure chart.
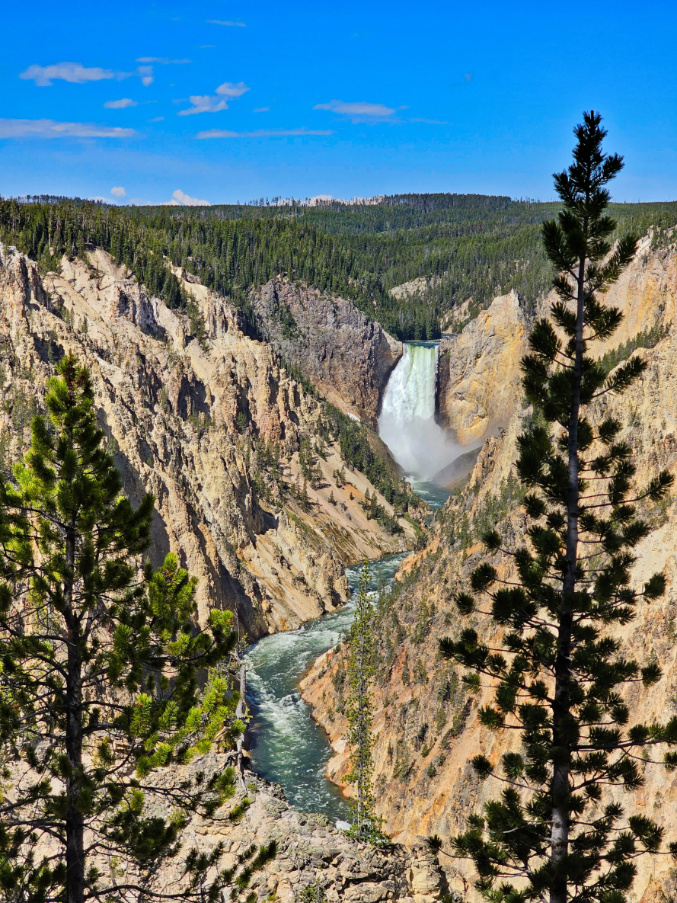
(198, 422)
(221, 427)
(426, 724)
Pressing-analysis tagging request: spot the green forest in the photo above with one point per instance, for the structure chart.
(474, 247)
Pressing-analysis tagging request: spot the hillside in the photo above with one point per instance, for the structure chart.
(426, 723)
(243, 461)
(464, 248)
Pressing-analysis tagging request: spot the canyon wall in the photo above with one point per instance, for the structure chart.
(207, 420)
(479, 384)
(478, 379)
(348, 357)
(426, 723)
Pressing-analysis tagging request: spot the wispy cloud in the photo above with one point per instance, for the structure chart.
(121, 104)
(226, 23)
(204, 103)
(262, 110)
(48, 128)
(430, 121)
(262, 133)
(75, 73)
(357, 110)
(146, 73)
(214, 103)
(161, 60)
(181, 199)
(118, 192)
(229, 89)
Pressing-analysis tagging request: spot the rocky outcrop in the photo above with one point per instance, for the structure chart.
(347, 356)
(427, 726)
(414, 287)
(207, 420)
(478, 384)
(315, 860)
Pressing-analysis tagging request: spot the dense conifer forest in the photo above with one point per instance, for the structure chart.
(465, 247)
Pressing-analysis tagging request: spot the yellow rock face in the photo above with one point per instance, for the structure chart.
(169, 405)
(427, 726)
(479, 384)
(478, 381)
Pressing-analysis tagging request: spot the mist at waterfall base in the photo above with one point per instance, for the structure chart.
(407, 421)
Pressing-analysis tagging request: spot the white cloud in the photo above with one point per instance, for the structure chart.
(228, 89)
(161, 60)
(181, 199)
(121, 104)
(214, 103)
(357, 110)
(75, 73)
(227, 24)
(118, 192)
(204, 104)
(146, 73)
(157, 119)
(262, 110)
(262, 133)
(48, 128)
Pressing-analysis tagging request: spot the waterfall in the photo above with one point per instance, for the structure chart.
(407, 422)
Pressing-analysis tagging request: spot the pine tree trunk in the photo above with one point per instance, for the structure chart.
(559, 788)
(75, 823)
(360, 746)
(240, 712)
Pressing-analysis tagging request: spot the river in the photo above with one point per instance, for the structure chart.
(288, 746)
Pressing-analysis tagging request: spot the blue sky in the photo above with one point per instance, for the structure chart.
(230, 100)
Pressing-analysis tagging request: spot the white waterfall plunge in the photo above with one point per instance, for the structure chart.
(407, 421)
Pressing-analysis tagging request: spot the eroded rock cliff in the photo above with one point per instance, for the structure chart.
(207, 420)
(478, 386)
(331, 342)
(479, 383)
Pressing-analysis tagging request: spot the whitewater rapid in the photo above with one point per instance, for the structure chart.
(290, 748)
(407, 421)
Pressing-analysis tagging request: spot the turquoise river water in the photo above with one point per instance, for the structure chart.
(288, 747)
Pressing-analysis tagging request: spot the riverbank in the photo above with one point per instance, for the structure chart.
(288, 746)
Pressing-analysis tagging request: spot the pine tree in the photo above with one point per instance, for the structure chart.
(558, 674)
(98, 676)
(359, 711)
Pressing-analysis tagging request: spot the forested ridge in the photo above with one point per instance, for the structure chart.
(473, 246)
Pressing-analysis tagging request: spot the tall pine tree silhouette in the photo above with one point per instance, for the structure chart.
(558, 672)
(360, 714)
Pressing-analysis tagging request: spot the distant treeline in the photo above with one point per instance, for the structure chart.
(474, 246)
